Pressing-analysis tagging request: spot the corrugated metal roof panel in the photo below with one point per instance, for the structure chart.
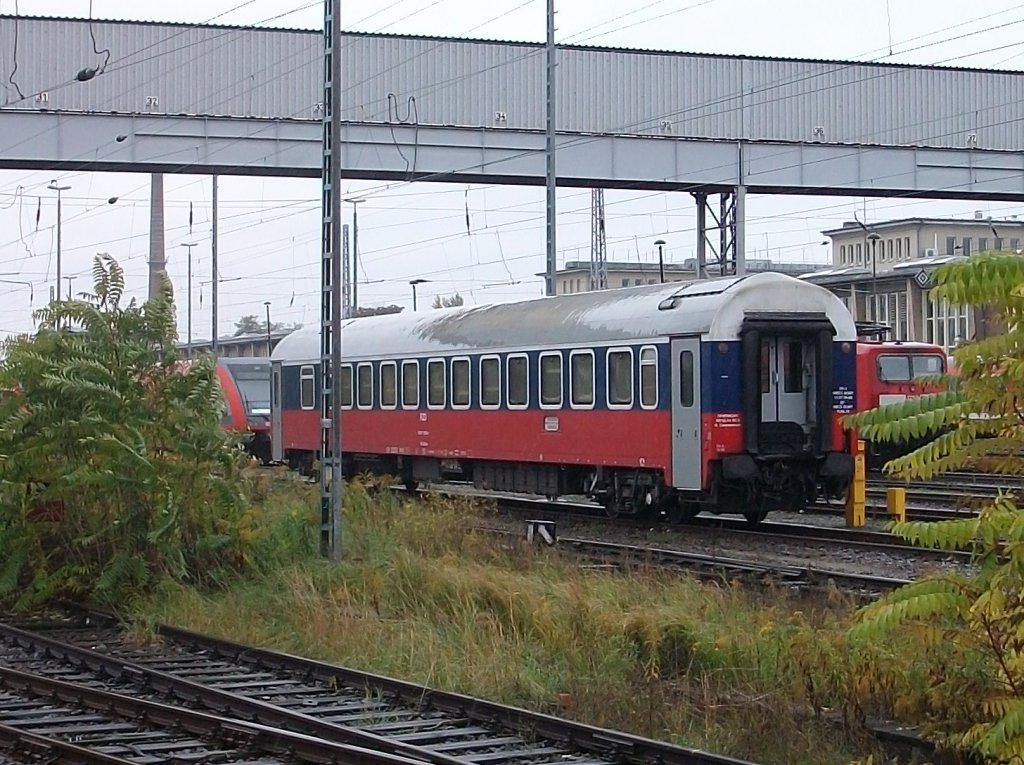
(211, 70)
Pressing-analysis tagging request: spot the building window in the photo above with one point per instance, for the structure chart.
(637, 282)
(842, 254)
(1015, 244)
(345, 383)
(625, 282)
(518, 381)
(899, 249)
(435, 384)
(388, 385)
(550, 380)
(946, 324)
(490, 382)
(620, 379)
(410, 384)
(460, 383)
(364, 375)
(950, 245)
(581, 378)
(906, 247)
(307, 388)
(648, 378)
(859, 260)
(890, 249)
(982, 243)
(966, 246)
(999, 243)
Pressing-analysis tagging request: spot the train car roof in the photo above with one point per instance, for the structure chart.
(891, 346)
(713, 308)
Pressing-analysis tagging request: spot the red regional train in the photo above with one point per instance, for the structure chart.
(889, 372)
(245, 383)
(722, 395)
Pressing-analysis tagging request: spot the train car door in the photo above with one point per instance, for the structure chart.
(686, 423)
(276, 445)
(787, 387)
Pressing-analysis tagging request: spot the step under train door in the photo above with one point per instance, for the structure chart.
(276, 443)
(686, 420)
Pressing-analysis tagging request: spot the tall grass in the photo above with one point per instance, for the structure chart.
(422, 596)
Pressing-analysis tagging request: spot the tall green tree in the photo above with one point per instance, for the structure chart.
(114, 468)
(976, 622)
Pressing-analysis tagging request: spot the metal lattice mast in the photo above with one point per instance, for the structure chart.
(551, 249)
(598, 242)
(330, 295)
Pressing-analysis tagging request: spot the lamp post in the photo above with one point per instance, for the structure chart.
(874, 237)
(31, 290)
(53, 186)
(660, 244)
(355, 251)
(413, 283)
(189, 245)
(69, 279)
(266, 304)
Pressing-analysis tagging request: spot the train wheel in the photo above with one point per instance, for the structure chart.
(678, 511)
(756, 515)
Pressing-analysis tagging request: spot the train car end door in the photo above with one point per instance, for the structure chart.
(686, 419)
(276, 445)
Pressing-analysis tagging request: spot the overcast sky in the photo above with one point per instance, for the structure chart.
(269, 232)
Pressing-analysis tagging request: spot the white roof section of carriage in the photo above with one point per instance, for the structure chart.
(713, 308)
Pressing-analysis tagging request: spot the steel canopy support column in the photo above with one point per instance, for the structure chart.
(724, 232)
(701, 198)
(739, 224)
(330, 297)
(549, 271)
(214, 278)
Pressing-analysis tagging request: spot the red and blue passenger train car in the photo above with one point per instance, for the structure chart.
(722, 394)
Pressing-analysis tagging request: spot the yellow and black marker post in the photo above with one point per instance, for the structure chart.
(896, 503)
(855, 510)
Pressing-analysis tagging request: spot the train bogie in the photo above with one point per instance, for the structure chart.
(721, 395)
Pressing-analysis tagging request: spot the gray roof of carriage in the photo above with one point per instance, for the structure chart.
(713, 308)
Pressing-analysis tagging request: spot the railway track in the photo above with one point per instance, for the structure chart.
(340, 706)
(45, 719)
(717, 566)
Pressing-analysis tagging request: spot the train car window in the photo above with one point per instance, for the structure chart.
(490, 382)
(648, 377)
(927, 365)
(518, 380)
(894, 368)
(551, 380)
(346, 386)
(307, 388)
(364, 380)
(435, 384)
(460, 383)
(581, 378)
(388, 385)
(410, 385)
(766, 366)
(686, 378)
(620, 378)
(793, 367)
